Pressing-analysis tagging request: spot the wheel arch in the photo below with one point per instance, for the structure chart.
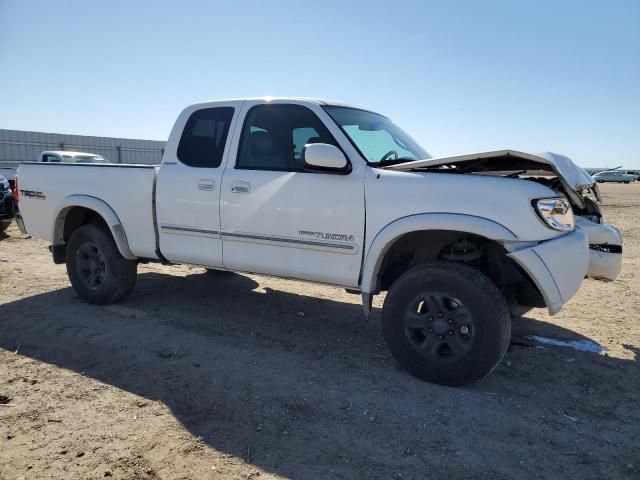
(77, 210)
(428, 222)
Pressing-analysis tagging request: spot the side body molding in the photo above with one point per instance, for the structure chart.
(101, 208)
(421, 222)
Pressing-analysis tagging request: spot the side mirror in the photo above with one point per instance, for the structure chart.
(324, 157)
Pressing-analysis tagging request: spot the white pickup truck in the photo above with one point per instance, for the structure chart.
(64, 156)
(324, 192)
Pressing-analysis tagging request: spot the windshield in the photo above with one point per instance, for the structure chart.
(378, 139)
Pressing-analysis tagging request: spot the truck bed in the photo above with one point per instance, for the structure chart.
(127, 189)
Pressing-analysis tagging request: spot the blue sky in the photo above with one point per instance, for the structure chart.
(460, 76)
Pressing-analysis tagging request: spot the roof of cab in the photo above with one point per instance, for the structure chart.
(68, 152)
(317, 101)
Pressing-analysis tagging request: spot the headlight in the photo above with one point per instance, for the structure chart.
(556, 213)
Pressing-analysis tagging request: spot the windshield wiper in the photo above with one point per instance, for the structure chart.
(394, 161)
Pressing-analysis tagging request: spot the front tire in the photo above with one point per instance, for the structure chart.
(97, 271)
(446, 323)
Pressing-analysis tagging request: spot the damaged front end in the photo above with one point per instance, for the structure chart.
(605, 248)
(556, 172)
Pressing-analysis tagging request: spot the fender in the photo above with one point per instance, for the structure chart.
(556, 266)
(101, 208)
(425, 221)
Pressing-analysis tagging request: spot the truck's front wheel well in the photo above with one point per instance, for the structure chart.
(487, 256)
(70, 220)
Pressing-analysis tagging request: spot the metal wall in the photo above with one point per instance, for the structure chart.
(18, 146)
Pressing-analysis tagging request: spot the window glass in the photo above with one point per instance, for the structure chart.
(377, 143)
(51, 159)
(274, 136)
(302, 136)
(204, 137)
(378, 139)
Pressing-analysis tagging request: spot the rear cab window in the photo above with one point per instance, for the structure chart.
(204, 137)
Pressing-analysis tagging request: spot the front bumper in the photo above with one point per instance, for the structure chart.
(605, 247)
(557, 267)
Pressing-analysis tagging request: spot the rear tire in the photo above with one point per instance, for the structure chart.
(98, 272)
(4, 225)
(446, 323)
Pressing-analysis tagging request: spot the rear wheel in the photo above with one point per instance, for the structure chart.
(446, 323)
(4, 224)
(97, 271)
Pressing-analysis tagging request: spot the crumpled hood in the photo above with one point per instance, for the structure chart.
(577, 177)
(573, 177)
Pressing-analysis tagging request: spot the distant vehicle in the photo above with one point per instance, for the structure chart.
(63, 156)
(635, 173)
(7, 204)
(615, 176)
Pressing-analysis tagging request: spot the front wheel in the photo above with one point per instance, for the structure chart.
(446, 323)
(96, 269)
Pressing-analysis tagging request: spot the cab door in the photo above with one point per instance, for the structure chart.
(188, 184)
(278, 218)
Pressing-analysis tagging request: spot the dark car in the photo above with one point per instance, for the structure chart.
(7, 204)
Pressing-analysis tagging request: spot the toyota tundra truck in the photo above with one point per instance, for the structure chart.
(325, 192)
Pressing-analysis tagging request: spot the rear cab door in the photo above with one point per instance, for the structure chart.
(189, 180)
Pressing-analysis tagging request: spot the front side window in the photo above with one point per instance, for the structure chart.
(274, 136)
(378, 139)
(204, 137)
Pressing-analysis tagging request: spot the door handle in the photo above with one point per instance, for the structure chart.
(240, 187)
(206, 184)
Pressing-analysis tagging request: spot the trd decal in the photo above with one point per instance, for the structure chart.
(33, 194)
(327, 236)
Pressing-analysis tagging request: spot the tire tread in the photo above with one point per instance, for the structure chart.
(495, 330)
(124, 270)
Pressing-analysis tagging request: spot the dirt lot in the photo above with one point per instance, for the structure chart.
(197, 376)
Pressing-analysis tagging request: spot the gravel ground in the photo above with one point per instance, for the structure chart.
(199, 376)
